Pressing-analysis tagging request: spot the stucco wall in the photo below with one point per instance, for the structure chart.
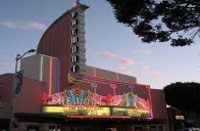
(30, 99)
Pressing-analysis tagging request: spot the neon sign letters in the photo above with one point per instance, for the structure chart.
(77, 43)
(84, 102)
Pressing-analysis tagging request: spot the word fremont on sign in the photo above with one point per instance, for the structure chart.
(77, 42)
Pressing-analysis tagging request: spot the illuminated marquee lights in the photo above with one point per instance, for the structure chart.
(79, 96)
(97, 112)
(78, 101)
(179, 117)
(75, 110)
(130, 112)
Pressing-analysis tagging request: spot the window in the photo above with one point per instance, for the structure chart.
(152, 128)
(52, 128)
(32, 128)
(138, 128)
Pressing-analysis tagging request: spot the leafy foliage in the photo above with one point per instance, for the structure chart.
(185, 96)
(177, 21)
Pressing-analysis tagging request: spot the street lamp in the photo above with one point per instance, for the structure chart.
(18, 57)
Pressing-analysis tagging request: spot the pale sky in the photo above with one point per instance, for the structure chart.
(109, 45)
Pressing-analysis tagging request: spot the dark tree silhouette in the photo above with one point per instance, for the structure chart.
(185, 96)
(176, 21)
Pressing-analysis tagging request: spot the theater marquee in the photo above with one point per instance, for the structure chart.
(86, 104)
(97, 112)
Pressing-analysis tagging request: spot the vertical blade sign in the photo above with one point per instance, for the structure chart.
(77, 42)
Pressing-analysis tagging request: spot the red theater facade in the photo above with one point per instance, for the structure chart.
(61, 93)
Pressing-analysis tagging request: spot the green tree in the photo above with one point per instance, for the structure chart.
(184, 96)
(176, 21)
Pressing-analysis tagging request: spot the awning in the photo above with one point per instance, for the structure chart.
(67, 120)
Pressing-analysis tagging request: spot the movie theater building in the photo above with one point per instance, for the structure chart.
(61, 93)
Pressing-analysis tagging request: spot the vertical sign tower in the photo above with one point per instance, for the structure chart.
(65, 40)
(77, 44)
